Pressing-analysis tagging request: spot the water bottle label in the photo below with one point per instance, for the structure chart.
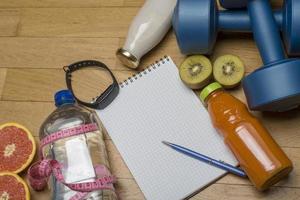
(78, 157)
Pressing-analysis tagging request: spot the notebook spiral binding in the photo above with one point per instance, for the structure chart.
(147, 70)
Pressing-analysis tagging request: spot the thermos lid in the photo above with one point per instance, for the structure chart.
(208, 90)
(127, 58)
(63, 97)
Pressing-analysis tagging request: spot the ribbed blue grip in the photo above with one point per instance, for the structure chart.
(265, 31)
(239, 21)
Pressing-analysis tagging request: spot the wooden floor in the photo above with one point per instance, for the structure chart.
(38, 37)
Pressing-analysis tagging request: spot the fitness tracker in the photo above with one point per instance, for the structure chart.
(105, 98)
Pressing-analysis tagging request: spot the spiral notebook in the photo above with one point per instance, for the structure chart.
(152, 106)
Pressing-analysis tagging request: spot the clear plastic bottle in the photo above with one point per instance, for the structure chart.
(79, 154)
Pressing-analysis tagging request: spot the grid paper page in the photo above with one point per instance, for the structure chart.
(157, 107)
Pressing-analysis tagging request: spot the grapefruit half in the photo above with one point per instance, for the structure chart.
(13, 187)
(17, 147)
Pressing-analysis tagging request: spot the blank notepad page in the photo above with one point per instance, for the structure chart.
(153, 106)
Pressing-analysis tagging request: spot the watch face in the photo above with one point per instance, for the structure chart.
(92, 83)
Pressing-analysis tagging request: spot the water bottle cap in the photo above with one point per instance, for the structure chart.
(64, 97)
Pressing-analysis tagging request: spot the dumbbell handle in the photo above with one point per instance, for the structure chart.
(239, 21)
(265, 31)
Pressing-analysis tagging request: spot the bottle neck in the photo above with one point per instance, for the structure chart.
(65, 105)
(213, 95)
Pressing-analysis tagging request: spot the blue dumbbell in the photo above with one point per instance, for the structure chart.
(233, 4)
(276, 85)
(197, 22)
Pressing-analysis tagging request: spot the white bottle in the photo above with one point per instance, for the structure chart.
(146, 30)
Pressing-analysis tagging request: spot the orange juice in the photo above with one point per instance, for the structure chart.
(258, 154)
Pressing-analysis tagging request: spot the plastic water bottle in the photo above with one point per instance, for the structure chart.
(82, 157)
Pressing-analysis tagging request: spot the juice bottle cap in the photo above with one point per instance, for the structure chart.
(208, 90)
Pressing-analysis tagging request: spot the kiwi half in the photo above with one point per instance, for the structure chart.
(228, 70)
(196, 71)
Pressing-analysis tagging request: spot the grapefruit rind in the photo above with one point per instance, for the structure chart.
(30, 137)
(20, 180)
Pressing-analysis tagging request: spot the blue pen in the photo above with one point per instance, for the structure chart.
(208, 160)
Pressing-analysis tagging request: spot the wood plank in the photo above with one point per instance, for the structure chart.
(92, 22)
(9, 22)
(59, 3)
(238, 192)
(104, 3)
(25, 85)
(134, 2)
(49, 3)
(41, 84)
(76, 22)
(2, 80)
(29, 114)
(55, 52)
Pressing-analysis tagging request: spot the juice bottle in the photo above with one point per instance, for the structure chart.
(258, 154)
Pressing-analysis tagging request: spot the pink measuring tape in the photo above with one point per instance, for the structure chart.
(39, 172)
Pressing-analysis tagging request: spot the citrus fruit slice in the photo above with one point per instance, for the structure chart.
(196, 71)
(13, 187)
(17, 147)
